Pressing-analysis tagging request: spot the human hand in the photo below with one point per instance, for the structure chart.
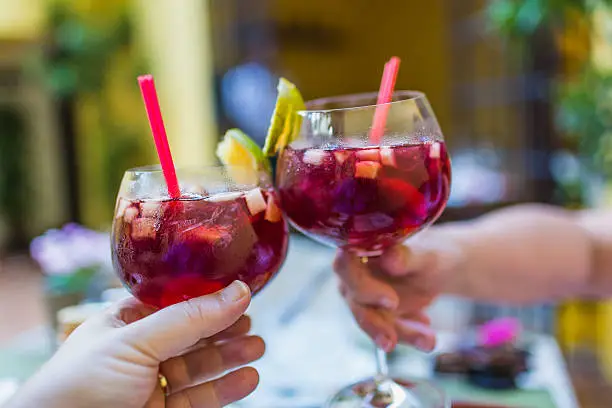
(114, 358)
(388, 294)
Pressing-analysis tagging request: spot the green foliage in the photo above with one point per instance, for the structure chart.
(585, 115)
(521, 18)
(77, 282)
(583, 107)
(13, 182)
(78, 52)
(119, 156)
(75, 62)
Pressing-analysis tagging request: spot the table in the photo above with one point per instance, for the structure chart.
(314, 347)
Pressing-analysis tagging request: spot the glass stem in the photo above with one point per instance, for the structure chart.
(382, 394)
(382, 369)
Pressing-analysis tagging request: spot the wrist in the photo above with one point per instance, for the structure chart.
(46, 388)
(453, 258)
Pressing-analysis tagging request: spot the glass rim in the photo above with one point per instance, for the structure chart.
(156, 168)
(405, 95)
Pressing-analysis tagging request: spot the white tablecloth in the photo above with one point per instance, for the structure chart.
(314, 347)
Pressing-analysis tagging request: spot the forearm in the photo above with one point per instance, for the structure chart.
(50, 387)
(34, 394)
(520, 255)
(597, 224)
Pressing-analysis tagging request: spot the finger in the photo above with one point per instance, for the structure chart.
(238, 329)
(377, 323)
(219, 393)
(170, 331)
(157, 398)
(419, 316)
(208, 362)
(116, 315)
(129, 310)
(361, 286)
(400, 260)
(416, 331)
(415, 299)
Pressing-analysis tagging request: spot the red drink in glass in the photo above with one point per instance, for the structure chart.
(364, 198)
(167, 251)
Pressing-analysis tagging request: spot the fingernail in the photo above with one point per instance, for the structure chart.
(415, 326)
(383, 342)
(422, 344)
(422, 335)
(388, 304)
(234, 292)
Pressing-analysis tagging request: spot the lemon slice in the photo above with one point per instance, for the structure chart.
(242, 156)
(285, 123)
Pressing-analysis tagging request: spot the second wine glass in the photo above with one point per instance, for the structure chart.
(346, 189)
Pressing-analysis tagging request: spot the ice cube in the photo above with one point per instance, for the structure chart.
(314, 156)
(341, 156)
(197, 190)
(150, 209)
(255, 201)
(273, 213)
(387, 157)
(130, 214)
(367, 169)
(434, 151)
(122, 206)
(227, 196)
(143, 229)
(236, 251)
(208, 233)
(369, 155)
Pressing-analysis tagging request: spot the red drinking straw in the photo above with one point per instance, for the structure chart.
(385, 95)
(149, 95)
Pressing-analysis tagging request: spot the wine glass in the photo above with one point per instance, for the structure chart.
(345, 188)
(226, 226)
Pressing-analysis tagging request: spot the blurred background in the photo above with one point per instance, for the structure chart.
(522, 88)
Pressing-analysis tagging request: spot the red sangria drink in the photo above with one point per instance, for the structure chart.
(166, 251)
(364, 199)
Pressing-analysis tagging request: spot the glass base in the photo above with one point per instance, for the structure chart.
(395, 393)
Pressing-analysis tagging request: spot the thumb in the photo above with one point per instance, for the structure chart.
(169, 331)
(400, 261)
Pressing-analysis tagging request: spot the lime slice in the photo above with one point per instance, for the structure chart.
(285, 123)
(241, 154)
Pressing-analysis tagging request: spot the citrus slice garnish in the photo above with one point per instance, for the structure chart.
(240, 154)
(285, 123)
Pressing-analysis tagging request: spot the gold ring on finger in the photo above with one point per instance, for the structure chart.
(164, 384)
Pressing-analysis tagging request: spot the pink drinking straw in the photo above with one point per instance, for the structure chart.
(149, 95)
(385, 95)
